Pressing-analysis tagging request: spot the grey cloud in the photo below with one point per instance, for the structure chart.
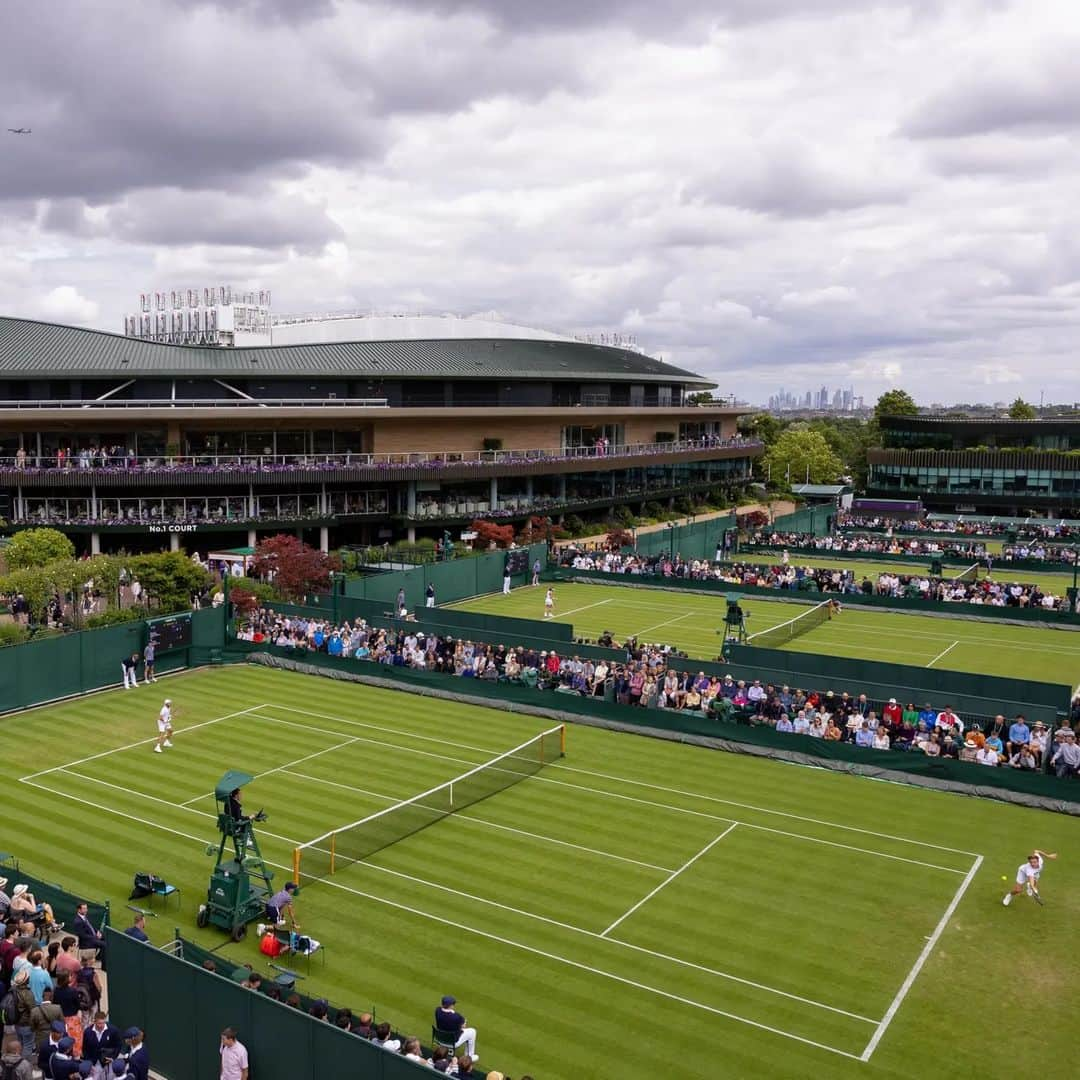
(658, 19)
(1042, 96)
(789, 183)
(171, 217)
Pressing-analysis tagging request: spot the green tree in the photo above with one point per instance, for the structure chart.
(35, 587)
(700, 397)
(895, 403)
(36, 547)
(1021, 410)
(169, 578)
(763, 426)
(801, 455)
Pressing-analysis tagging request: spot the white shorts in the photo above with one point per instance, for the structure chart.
(1023, 879)
(549, 604)
(164, 725)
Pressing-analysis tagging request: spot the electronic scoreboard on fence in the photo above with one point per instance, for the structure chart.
(171, 632)
(517, 561)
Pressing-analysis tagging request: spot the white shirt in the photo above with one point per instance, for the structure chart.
(986, 756)
(234, 1059)
(165, 715)
(1029, 873)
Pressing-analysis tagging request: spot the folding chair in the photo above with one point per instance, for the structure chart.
(448, 1040)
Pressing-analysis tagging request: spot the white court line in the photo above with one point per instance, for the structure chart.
(745, 824)
(280, 768)
(154, 798)
(574, 611)
(668, 880)
(759, 809)
(462, 816)
(659, 624)
(913, 974)
(944, 652)
(492, 903)
(141, 742)
(618, 779)
(643, 802)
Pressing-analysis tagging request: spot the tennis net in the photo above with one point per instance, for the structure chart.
(776, 636)
(968, 575)
(339, 848)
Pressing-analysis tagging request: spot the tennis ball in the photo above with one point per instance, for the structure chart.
(1004, 878)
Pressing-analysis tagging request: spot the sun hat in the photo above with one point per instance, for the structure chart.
(20, 889)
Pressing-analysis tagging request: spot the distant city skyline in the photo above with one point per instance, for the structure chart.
(840, 400)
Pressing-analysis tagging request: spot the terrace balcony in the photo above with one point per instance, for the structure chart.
(201, 471)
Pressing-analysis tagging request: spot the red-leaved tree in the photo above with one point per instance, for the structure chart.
(538, 529)
(752, 519)
(243, 600)
(488, 531)
(294, 567)
(617, 539)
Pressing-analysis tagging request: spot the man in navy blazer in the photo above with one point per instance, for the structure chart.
(101, 1041)
(138, 1060)
(89, 936)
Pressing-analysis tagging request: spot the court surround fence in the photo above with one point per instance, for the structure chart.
(183, 1009)
(1011, 785)
(78, 662)
(939, 608)
(453, 580)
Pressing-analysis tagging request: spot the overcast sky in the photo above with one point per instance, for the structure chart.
(773, 192)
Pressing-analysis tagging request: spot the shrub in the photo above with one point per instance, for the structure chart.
(115, 617)
(573, 525)
(13, 634)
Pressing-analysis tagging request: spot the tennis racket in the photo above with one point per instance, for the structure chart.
(1037, 898)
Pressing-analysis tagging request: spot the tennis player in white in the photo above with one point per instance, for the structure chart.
(164, 726)
(1027, 875)
(549, 604)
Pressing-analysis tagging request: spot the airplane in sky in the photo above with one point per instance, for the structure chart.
(19, 131)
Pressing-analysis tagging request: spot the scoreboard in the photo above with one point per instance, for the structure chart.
(171, 632)
(517, 561)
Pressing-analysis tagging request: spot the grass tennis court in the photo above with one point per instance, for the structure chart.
(636, 909)
(689, 621)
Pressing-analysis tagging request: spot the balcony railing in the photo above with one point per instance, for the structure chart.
(233, 403)
(88, 462)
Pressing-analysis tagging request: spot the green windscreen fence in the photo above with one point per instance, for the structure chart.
(816, 520)
(694, 540)
(566, 706)
(75, 663)
(183, 1009)
(456, 579)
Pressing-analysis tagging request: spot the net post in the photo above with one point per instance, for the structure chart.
(333, 850)
(562, 740)
(296, 865)
(451, 794)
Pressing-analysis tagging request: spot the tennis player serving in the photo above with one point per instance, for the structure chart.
(1027, 876)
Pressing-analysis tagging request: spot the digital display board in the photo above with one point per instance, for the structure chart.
(171, 632)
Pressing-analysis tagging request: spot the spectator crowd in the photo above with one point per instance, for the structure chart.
(654, 676)
(1029, 530)
(809, 579)
(873, 545)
